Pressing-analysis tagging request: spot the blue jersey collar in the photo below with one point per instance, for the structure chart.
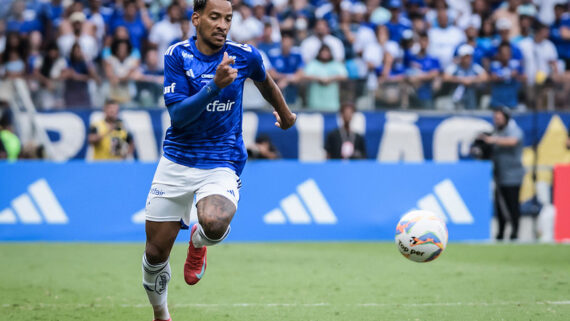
(204, 57)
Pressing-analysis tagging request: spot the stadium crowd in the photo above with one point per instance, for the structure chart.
(444, 54)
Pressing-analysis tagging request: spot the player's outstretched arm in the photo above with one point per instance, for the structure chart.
(270, 91)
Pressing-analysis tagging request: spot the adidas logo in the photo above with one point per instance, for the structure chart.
(35, 207)
(446, 194)
(315, 208)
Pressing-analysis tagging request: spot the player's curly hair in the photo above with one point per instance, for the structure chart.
(199, 5)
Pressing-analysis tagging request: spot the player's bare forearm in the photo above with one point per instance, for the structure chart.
(270, 91)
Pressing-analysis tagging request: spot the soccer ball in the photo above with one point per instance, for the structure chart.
(421, 236)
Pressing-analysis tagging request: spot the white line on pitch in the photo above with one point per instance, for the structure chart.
(272, 305)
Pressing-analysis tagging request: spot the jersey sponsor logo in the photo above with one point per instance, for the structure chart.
(216, 105)
(35, 207)
(315, 208)
(169, 89)
(186, 55)
(209, 76)
(447, 195)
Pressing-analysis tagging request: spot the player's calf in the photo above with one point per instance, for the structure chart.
(155, 282)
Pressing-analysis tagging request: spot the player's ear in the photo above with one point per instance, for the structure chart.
(195, 18)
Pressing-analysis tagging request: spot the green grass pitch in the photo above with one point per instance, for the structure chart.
(290, 281)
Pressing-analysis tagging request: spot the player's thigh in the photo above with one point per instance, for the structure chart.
(171, 194)
(218, 197)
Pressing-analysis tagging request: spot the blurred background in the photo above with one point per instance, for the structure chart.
(408, 87)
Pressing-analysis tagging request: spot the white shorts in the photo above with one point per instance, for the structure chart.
(175, 187)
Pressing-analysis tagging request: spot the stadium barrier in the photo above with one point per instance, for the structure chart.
(562, 203)
(280, 200)
(390, 136)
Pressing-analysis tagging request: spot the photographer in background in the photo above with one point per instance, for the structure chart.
(110, 139)
(506, 153)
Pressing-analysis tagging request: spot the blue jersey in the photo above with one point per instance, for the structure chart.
(505, 92)
(562, 45)
(214, 138)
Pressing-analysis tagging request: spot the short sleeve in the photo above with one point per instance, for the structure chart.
(256, 66)
(451, 69)
(176, 86)
(479, 70)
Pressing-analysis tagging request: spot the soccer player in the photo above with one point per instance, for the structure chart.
(204, 153)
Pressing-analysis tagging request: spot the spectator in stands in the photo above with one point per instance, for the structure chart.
(507, 141)
(13, 63)
(265, 42)
(312, 45)
(48, 71)
(486, 37)
(436, 7)
(119, 69)
(379, 56)
(78, 34)
(343, 142)
(96, 18)
(422, 71)
(325, 74)
(355, 32)
(540, 65)
(20, 20)
(10, 145)
(295, 13)
(108, 136)
(479, 12)
(263, 149)
(245, 26)
(471, 33)
(560, 33)
(2, 35)
(121, 33)
(526, 21)
(164, 32)
(288, 67)
(397, 24)
(503, 27)
(510, 14)
(34, 57)
(506, 75)
(51, 16)
(444, 39)
(466, 75)
(78, 73)
(149, 80)
(133, 15)
(393, 90)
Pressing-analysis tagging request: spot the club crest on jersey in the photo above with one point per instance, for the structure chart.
(169, 89)
(216, 105)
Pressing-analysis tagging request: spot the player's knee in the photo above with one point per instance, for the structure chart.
(215, 228)
(155, 254)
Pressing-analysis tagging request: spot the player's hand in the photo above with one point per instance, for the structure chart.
(285, 122)
(225, 74)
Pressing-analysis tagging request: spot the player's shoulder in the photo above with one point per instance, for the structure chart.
(176, 48)
(241, 50)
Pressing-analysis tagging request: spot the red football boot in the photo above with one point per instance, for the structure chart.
(195, 264)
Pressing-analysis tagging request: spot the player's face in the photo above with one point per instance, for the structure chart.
(213, 23)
